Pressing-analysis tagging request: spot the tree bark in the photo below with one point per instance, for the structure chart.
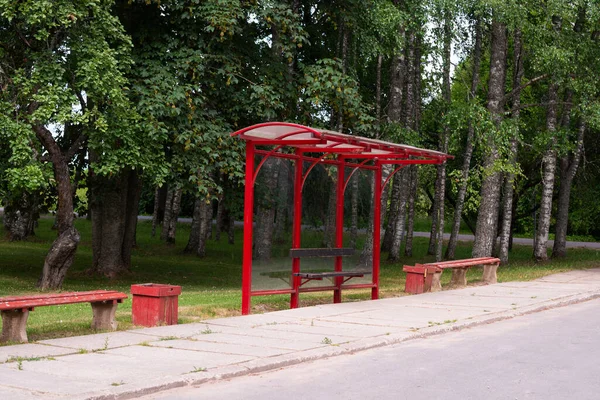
(283, 190)
(403, 177)
(114, 203)
(507, 203)
(568, 169)
(392, 214)
(410, 219)
(487, 217)
(378, 93)
(354, 211)
(366, 256)
(62, 252)
(466, 166)
(158, 214)
(446, 91)
(265, 210)
(220, 219)
(231, 228)
(548, 171)
(20, 216)
(329, 230)
(199, 231)
(172, 208)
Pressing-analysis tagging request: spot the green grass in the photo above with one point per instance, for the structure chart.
(211, 286)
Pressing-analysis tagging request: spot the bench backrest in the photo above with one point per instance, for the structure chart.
(321, 252)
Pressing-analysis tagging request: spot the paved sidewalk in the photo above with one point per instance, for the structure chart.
(131, 363)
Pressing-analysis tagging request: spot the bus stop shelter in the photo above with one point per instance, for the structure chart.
(308, 147)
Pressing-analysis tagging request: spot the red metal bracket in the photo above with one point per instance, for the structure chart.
(347, 181)
(390, 176)
(263, 161)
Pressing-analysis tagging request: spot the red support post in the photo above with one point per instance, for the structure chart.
(297, 228)
(376, 230)
(339, 227)
(248, 214)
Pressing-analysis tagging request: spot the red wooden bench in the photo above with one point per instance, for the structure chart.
(419, 273)
(15, 310)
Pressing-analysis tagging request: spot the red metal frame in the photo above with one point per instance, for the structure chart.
(372, 153)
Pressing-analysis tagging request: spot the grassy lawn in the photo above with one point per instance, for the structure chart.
(211, 286)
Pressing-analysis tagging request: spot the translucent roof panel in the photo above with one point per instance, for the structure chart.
(321, 140)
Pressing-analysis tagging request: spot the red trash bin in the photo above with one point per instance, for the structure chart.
(418, 279)
(154, 304)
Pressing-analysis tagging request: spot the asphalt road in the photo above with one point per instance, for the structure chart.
(549, 355)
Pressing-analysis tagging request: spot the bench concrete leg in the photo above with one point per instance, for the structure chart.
(14, 323)
(104, 316)
(489, 274)
(436, 285)
(459, 277)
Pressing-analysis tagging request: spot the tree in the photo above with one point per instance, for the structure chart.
(63, 64)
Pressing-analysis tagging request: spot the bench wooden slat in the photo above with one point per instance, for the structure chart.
(53, 295)
(321, 275)
(15, 303)
(321, 252)
(464, 263)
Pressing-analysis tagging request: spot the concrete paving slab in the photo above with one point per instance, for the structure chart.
(31, 350)
(336, 337)
(23, 394)
(99, 341)
(329, 309)
(41, 382)
(530, 293)
(292, 343)
(324, 328)
(411, 317)
(130, 365)
(221, 348)
(181, 360)
(249, 321)
(468, 300)
(180, 331)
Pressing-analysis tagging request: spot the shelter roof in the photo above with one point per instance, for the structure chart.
(315, 140)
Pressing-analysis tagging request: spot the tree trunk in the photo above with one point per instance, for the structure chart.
(219, 226)
(265, 210)
(507, 204)
(366, 256)
(114, 203)
(568, 169)
(194, 239)
(20, 216)
(403, 177)
(160, 199)
(329, 230)
(172, 208)
(354, 211)
(392, 215)
(487, 217)
(283, 190)
(466, 166)
(437, 227)
(378, 93)
(231, 228)
(62, 252)
(398, 75)
(410, 219)
(548, 171)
